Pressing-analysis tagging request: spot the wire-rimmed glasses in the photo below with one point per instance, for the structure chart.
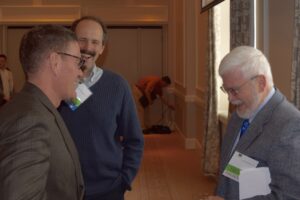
(235, 91)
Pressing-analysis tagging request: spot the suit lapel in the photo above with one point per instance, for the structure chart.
(59, 121)
(69, 143)
(232, 133)
(71, 148)
(257, 125)
(63, 130)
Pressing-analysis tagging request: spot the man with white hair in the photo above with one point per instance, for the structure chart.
(264, 131)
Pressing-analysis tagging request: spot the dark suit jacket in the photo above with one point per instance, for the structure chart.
(38, 159)
(273, 139)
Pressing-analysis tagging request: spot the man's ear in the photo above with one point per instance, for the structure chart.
(262, 82)
(103, 47)
(54, 63)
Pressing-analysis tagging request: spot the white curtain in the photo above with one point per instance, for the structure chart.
(212, 136)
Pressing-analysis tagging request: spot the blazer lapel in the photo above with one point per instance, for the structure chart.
(70, 146)
(64, 132)
(232, 134)
(72, 149)
(257, 125)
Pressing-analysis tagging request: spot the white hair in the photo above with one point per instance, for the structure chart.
(249, 61)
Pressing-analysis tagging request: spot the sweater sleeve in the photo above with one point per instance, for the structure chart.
(133, 140)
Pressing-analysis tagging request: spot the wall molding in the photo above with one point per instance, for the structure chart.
(112, 15)
(189, 98)
(130, 14)
(189, 143)
(200, 91)
(39, 14)
(193, 99)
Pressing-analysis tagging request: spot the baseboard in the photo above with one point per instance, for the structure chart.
(189, 143)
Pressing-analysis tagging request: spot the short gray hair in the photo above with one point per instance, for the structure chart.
(41, 40)
(249, 61)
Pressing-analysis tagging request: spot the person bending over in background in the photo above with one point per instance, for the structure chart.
(146, 90)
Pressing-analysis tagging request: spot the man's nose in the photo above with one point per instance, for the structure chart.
(231, 97)
(87, 45)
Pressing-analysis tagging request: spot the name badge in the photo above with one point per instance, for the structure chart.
(82, 93)
(237, 163)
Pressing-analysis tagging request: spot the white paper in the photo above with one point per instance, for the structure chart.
(254, 181)
(237, 163)
(82, 93)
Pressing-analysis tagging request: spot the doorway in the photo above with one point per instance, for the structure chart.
(132, 51)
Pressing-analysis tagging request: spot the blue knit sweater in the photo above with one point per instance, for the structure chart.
(107, 134)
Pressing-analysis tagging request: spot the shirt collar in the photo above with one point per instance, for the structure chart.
(94, 76)
(266, 100)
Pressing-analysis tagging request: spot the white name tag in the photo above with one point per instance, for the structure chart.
(237, 163)
(82, 93)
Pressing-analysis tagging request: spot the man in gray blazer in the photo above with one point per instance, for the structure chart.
(271, 131)
(38, 159)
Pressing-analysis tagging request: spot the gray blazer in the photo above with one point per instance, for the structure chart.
(273, 139)
(38, 159)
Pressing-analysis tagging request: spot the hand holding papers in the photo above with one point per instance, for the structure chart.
(253, 181)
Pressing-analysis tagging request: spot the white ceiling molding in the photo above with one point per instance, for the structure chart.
(129, 14)
(39, 14)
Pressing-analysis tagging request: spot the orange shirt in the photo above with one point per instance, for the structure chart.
(150, 84)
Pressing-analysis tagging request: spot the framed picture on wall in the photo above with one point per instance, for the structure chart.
(207, 4)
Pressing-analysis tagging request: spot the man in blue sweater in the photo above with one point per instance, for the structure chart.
(105, 128)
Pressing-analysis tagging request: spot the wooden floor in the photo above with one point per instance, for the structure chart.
(169, 172)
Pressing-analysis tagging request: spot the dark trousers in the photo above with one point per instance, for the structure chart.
(115, 194)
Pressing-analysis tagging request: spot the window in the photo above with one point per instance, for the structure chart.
(222, 42)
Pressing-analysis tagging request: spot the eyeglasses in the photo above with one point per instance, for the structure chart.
(81, 60)
(235, 91)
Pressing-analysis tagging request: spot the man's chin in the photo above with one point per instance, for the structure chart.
(243, 114)
(70, 97)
